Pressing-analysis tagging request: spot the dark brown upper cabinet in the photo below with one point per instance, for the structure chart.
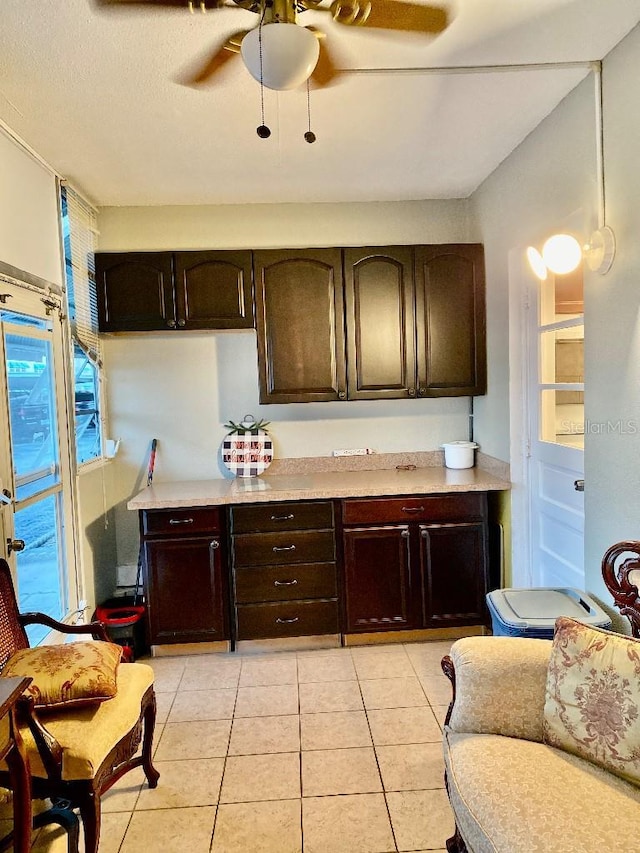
(380, 323)
(154, 291)
(450, 312)
(409, 319)
(300, 325)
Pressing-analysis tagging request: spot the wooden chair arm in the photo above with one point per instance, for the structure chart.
(96, 629)
(48, 747)
(449, 670)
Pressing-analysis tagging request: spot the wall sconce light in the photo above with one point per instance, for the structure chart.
(562, 253)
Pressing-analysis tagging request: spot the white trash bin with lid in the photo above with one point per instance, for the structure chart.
(533, 612)
(459, 454)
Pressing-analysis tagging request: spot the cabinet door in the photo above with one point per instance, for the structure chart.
(379, 300)
(183, 584)
(300, 323)
(378, 584)
(450, 310)
(454, 571)
(135, 291)
(213, 290)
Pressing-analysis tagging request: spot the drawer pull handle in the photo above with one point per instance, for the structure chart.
(282, 517)
(412, 509)
(180, 521)
(287, 621)
(285, 583)
(284, 548)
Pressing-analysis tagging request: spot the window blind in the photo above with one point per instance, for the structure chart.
(79, 223)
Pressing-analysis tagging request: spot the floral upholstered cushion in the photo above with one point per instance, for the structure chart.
(592, 706)
(72, 674)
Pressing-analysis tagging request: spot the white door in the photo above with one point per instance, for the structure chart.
(35, 476)
(555, 343)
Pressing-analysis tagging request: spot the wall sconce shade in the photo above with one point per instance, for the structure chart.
(536, 263)
(289, 55)
(562, 253)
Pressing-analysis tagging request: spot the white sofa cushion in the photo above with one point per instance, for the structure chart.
(517, 796)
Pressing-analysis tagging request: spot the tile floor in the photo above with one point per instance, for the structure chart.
(326, 751)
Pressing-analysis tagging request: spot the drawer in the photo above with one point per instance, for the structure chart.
(181, 522)
(303, 515)
(265, 549)
(287, 619)
(286, 583)
(450, 507)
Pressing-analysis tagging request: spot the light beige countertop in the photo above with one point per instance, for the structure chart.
(317, 485)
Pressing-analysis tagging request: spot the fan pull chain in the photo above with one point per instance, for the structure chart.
(263, 131)
(309, 135)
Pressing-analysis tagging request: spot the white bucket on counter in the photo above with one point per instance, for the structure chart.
(459, 454)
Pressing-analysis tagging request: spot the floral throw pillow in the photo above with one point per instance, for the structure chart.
(592, 706)
(72, 674)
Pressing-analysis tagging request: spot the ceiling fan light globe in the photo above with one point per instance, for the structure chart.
(562, 253)
(289, 55)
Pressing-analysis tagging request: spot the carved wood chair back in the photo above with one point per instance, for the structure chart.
(621, 574)
(12, 633)
(82, 793)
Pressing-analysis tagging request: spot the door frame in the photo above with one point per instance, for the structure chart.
(54, 302)
(521, 281)
(524, 293)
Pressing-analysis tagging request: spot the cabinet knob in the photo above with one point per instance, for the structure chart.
(342, 395)
(214, 544)
(182, 323)
(412, 392)
(422, 392)
(171, 324)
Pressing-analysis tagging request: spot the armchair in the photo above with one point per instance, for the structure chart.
(77, 754)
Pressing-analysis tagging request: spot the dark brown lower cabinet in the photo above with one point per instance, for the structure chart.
(184, 575)
(284, 570)
(378, 582)
(415, 562)
(453, 560)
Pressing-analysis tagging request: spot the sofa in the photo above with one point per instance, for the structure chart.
(542, 743)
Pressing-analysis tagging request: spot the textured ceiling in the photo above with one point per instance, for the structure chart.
(95, 92)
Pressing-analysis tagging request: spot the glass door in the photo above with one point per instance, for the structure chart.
(556, 431)
(34, 457)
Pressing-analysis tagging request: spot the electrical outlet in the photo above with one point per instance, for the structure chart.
(360, 451)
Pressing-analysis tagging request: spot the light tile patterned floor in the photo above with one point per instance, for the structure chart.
(328, 751)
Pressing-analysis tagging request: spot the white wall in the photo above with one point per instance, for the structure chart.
(182, 387)
(30, 241)
(28, 214)
(612, 336)
(548, 182)
(263, 226)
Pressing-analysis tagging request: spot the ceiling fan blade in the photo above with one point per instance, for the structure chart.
(325, 73)
(391, 15)
(206, 5)
(215, 62)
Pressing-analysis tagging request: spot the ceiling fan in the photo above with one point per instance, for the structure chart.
(282, 53)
